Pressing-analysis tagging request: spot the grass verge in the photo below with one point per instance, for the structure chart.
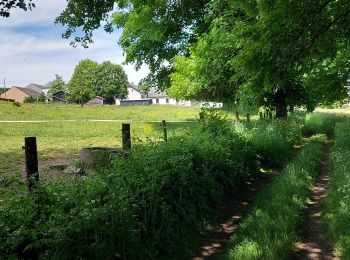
(337, 206)
(269, 230)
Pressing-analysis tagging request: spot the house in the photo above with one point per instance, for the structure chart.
(19, 94)
(58, 96)
(40, 88)
(161, 98)
(96, 101)
(135, 93)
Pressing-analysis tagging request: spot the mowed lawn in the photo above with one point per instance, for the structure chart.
(60, 141)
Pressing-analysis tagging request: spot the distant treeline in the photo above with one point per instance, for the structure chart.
(3, 90)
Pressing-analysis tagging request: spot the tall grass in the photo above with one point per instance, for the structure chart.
(321, 123)
(269, 230)
(337, 206)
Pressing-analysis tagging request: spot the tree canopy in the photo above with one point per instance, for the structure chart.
(89, 79)
(7, 5)
(111, 81)
(56, 85)
(154, 32)
(81, 86)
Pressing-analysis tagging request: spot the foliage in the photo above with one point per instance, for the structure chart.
(275, 143)
(277, 210)
(321, 123)
(57, 84)
(107, 80)
(337, 206)
(81, 86)
(3, 90)
(154, 32)
(7, 5)
(16, 104)
(270, 53)
(111, 81)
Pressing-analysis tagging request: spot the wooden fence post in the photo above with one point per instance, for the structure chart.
(237, 116)
(126, 137)
(201, 116)
(261, 115)
(31, 155)
(270, 115)
(248, 118)
(165, 131)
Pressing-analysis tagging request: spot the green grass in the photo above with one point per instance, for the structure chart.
(69, 112)
(64, 139)
(270, 228)
(337, 206)
(322, 123)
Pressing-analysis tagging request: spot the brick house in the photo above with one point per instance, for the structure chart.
(19, 94)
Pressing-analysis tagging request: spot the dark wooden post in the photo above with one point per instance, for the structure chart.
(201, 116)
(270, 115)
(31, 155)
(261, 115)
(237, 116)
(165, 131)
(248, 118)
(126, 137)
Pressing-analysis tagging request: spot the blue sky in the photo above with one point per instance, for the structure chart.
(33, 51)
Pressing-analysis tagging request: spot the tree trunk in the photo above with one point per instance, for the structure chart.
(281, 104)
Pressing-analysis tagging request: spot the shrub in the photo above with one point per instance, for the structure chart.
(16, 104)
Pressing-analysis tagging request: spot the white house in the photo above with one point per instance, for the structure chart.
(134, 93)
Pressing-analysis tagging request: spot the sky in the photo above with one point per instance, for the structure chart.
(33, 51)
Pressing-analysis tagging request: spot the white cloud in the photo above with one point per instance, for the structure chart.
(32, 49)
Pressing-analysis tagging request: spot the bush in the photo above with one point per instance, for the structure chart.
(16, 104)
(337, 206)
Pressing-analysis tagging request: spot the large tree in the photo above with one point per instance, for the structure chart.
(273, 53)
(111, 81)
(154, 32)
(82, 85)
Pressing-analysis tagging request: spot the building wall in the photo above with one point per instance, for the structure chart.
(165, 101)
(14, 94)
(133, 94)
(45, 91)
(95, 101)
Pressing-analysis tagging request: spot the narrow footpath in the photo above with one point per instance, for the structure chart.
(215, 240)
(313, 245)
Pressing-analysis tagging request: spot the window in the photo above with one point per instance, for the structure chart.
(157, 101)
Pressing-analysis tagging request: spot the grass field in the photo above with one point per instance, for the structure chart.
(60, 141)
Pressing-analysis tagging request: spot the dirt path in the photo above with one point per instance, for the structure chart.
(215, 240)
(313, 245)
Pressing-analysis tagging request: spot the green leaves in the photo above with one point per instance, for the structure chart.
(107, 80)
